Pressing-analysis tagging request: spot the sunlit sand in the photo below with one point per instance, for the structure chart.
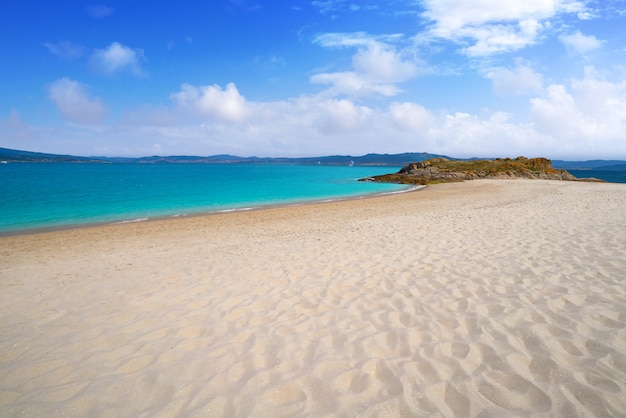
(483, 298)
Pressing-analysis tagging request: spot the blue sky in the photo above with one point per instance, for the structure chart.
(463, 78)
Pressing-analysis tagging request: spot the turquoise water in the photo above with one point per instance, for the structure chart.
(34, 196)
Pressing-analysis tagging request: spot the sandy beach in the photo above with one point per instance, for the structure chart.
(484, 298)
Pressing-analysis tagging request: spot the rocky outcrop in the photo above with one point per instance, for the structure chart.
(442, 170)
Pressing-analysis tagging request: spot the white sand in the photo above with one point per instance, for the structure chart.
(485, 298)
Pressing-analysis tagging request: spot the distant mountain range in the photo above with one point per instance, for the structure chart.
(369, 159)
(9, 155)
(605, 165)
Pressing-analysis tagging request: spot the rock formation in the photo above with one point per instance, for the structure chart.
(442, 170)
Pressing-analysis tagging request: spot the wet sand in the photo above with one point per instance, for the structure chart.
(483, 298)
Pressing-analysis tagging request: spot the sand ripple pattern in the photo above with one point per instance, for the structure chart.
(483, 299)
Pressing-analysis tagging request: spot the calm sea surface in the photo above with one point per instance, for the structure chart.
(34, 196)
(606, 175)
(62, 195)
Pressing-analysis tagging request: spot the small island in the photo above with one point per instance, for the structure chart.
(443, 170)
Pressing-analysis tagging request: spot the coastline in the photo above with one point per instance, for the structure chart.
(487, 297)
(70, 226)
(57, 196)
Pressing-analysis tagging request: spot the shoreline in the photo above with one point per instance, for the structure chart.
(482, 298)
(43, 230)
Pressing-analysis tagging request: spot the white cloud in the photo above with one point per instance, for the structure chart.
(410, 117)
(452, 15)
(353, 84)
(65, 49)
(589, 116)
(354, 39)
(381, 63)
(318, 125)
(580, 44)
(494, 26)
(377, 67)
(75, 103)
(493, 39)
(225, 105)
(341, 116)
(117, 58)
(600, 98)
(585, 119)
(553, 113)
(517, 81)
(581, 119)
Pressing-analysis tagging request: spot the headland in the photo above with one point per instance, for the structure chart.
(443, 170)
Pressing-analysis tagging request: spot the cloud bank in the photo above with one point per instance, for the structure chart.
(571, 120)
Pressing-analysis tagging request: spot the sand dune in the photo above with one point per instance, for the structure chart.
(484, 298)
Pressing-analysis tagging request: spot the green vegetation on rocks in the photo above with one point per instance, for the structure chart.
(442, 170)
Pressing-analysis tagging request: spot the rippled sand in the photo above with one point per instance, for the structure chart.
(484, 298)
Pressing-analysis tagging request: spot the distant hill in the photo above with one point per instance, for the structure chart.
(614, 167)
(590, 165)
(174, 159)
(369, 159)
(11, 155)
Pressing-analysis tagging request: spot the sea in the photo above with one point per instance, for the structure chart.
(612, 176)
(42, 196)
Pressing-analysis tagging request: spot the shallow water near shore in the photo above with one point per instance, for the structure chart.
(36, 196)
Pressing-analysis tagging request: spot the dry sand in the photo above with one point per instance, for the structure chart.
(485, 298)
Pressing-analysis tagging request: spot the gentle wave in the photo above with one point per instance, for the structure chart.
(130, 221)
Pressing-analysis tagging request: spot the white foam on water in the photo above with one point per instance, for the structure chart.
(128, 221)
